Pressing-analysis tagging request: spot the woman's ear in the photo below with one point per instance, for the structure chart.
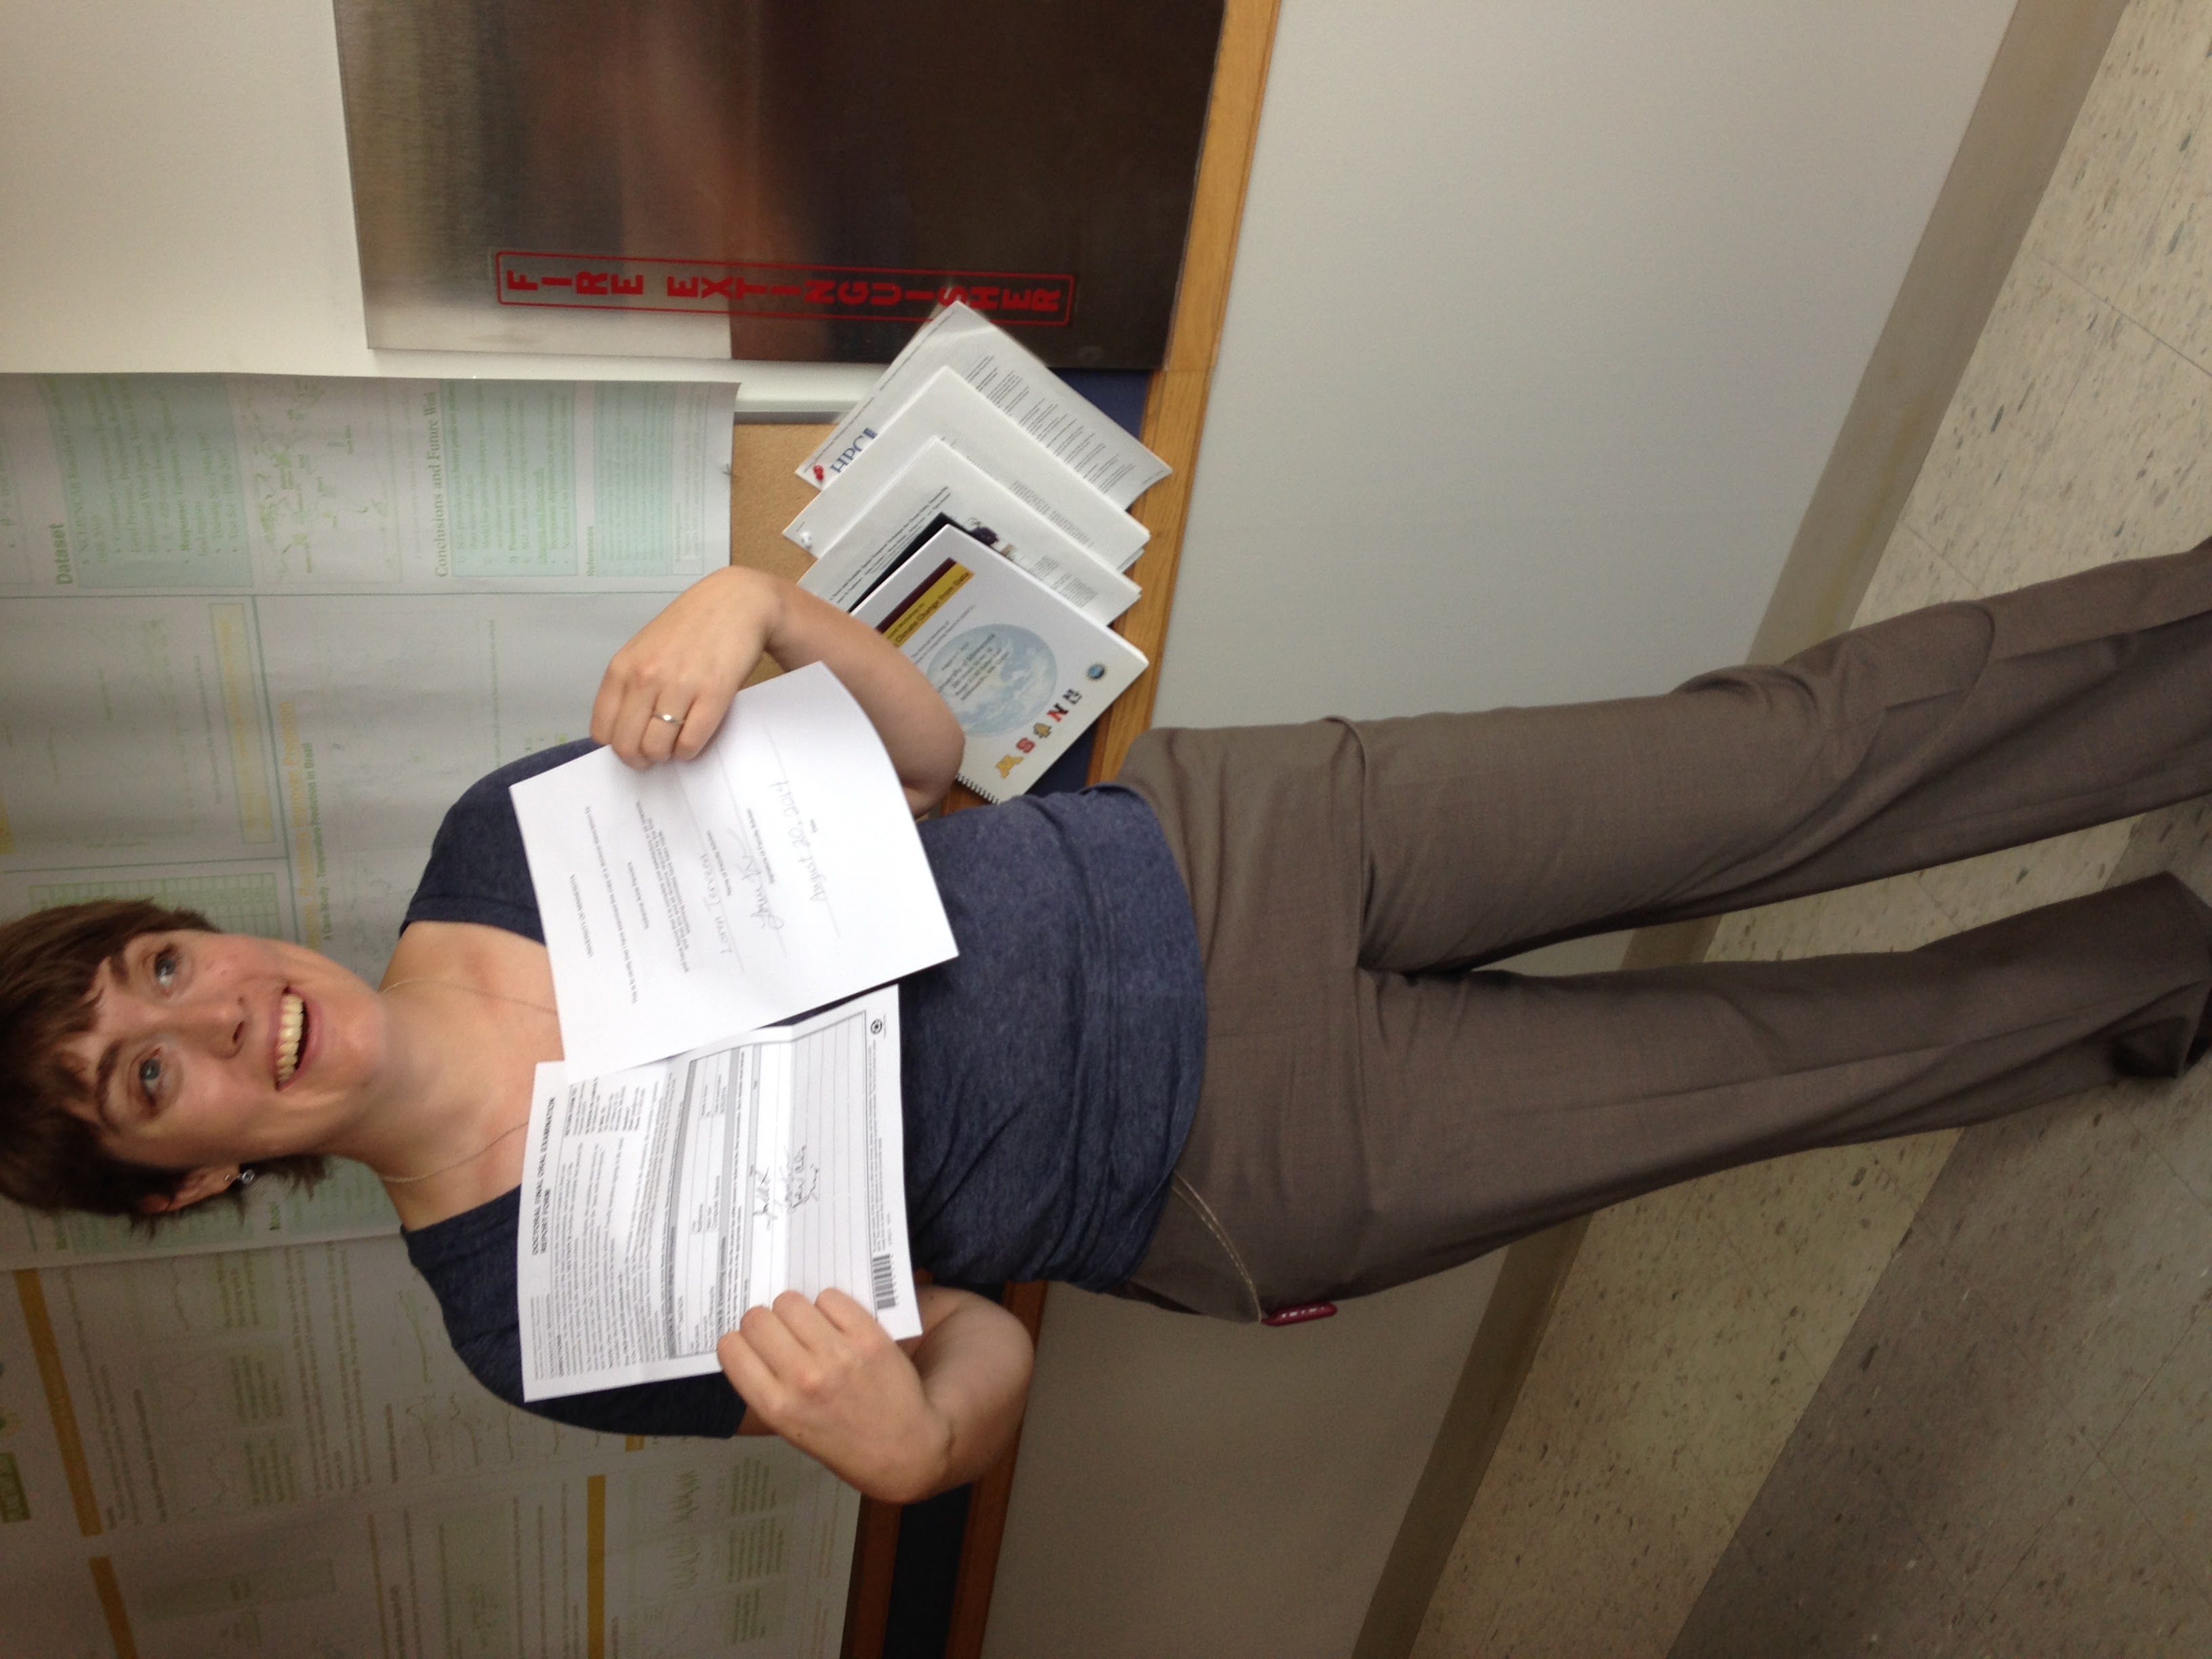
(196, 1185)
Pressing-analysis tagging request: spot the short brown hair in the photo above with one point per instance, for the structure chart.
(50, 1157)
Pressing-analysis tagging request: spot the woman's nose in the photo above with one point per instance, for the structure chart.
(215, 1020)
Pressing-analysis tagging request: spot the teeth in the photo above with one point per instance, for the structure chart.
(291, 1023)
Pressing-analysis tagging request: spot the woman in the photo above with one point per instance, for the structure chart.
(1226, 1051)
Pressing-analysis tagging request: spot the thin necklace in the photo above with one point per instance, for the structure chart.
(504, 1134)
(408, 1181)
(473, 990)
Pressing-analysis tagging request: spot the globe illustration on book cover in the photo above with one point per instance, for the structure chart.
(996, 678)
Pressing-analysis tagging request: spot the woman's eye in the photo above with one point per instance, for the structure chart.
(165, 966)
(150, 1076)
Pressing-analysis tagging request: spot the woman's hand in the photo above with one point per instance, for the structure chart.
(824, 1375)
(688, 663)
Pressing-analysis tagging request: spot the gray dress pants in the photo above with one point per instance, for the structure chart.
(1376, 1106)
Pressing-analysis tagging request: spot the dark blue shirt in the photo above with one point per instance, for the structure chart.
(1049, 1071)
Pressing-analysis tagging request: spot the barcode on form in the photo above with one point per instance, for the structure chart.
(879, 1270)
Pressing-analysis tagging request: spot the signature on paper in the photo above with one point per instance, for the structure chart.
(753, 869)
(778, 1192)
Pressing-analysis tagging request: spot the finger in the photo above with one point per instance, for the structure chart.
(771, 1337)
(606, 706)
(618, 712)
(641, 739)
(797, 1376)
(809, 1329)
(751, 1374)
(855, 1322)
(664, 727)
(781, 1403)
(700, 721)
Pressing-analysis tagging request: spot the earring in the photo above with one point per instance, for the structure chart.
(245, 1176)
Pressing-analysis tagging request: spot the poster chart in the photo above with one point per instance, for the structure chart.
(257, 633)
(276, 1451)
(349, 1204)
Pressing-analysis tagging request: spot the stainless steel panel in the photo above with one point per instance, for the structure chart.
(750, 179)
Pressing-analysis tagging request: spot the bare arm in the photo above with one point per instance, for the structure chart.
(690, 659)
(899, 1421)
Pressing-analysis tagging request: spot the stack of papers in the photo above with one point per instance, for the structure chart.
(685, 1165)
(974, 509)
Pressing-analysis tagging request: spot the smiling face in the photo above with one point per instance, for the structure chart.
(207, 1050)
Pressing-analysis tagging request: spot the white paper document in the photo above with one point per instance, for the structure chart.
(940, 486)
(954, 413)
(1023, 673)
(661, 1202)
(778, 872)
(968, 343)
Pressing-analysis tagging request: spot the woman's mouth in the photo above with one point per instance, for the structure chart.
(291, 1032)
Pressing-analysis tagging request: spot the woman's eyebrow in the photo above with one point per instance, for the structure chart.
(111, 1057)
(103, 1081)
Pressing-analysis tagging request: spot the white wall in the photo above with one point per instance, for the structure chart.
(1546, 317)
(1547, 314)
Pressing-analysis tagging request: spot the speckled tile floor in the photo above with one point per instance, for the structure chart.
(1950, 1397)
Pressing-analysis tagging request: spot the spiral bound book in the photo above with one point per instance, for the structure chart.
(1025, 673)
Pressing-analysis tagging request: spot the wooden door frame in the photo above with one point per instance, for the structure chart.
(1175, 419)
